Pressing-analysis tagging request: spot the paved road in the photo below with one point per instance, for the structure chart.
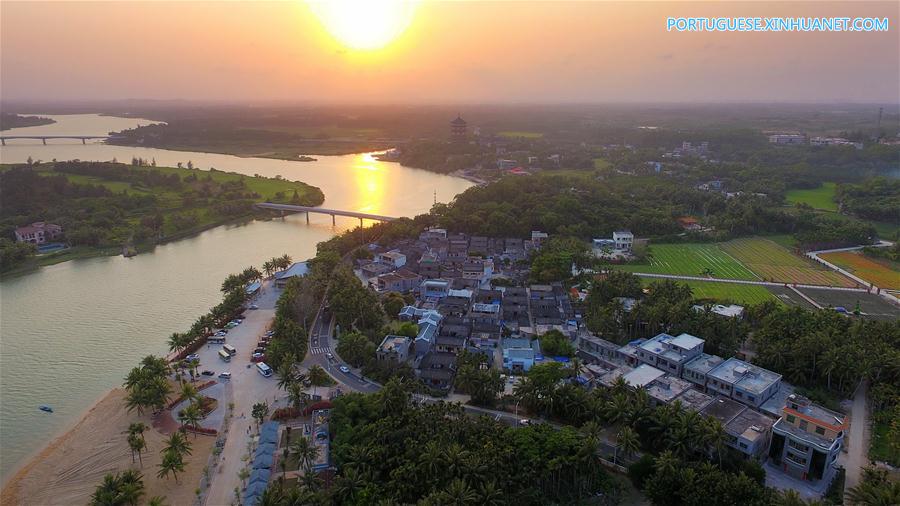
(247, 386)
(858, 439)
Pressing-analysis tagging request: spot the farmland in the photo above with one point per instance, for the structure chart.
(773, 262)
(817, 198)
(692, 260)
(730, 292)
(877, 271)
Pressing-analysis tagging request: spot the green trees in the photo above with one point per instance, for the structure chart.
(259, 413)
(876, 489)
(147, 385)
(120, 489)
(136, 441)
(356, 349)
(387, 449)
(554, 261)
(476, 379)
(554, 343)
(355, 307)
(176, 448)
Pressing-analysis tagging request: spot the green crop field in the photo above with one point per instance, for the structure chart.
(774, 262)
(691, 260)
(520, 134)
(818, 198)
(730, 292)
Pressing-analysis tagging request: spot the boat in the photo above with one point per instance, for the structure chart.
(44, 407)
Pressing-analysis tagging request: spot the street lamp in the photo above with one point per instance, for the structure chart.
(517, 412)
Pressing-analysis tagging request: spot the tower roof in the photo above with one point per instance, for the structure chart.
(458, 121)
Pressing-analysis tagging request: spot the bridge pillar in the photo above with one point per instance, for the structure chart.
(3, 141)
(44, 140)
(360, 223)
(83, 141)
(333, 222)
(307, 217)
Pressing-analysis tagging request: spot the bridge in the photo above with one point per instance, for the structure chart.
(43, 138)
(289, 208)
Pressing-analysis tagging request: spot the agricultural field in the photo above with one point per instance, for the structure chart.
(871, 305)
(881, 273)
(773, 262)
(817, 198)
(706, 260)
(730, 292)
(512, 134)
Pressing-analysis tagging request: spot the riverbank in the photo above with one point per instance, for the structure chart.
(291, 153)
(68, 469)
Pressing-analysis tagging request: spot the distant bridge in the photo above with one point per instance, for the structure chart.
(43, 138)
(321, 210)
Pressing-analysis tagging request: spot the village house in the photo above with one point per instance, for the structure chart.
(623, 240)
(394, 349)
(670, 353)
(38, 232)
(697, 369)
(402, 281)
(392, 258)
(747, 431)
(520, 354)
(743, 382)
(437, 369)
(807, 439)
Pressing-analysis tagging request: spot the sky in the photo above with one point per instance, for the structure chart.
(463, 51)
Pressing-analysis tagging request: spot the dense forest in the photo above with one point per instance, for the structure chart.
(876, 199)
(586, 207)
(9, 120)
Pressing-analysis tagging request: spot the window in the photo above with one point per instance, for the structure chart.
(743, 445)
(790, 419)
(751, 398)
(795, 459)
(820, 431)
(739, 394)
(803, 424)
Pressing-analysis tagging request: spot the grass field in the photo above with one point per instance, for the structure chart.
(601, 163)
(520, 134)
(772, 262)
(818, 198)
(692, 260)
(880, 272)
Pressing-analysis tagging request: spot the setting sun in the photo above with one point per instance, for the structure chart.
(364, 24)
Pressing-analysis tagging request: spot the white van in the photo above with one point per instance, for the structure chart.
(229, 349)
(264, 369)
(224, 356)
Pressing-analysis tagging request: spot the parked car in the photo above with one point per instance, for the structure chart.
(270, 333)
(262, 344)
(193, 357)
(221, 333)
(525, 422)
(225, 375)
(329, 356)
(258, 357)
(259, 350)
(253, 307)
(207, 373)
(344, 369)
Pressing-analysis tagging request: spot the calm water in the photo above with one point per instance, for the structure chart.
(71, 331)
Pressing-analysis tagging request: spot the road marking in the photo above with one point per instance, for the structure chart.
(320, 350)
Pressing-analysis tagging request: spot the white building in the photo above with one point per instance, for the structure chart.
(623, 239)
(793, 139)
(392, 258)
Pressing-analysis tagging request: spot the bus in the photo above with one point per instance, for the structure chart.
(224, 356)
(264, 369)
(216, 339)
(229, 349)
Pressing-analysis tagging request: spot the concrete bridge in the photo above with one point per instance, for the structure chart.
(288, 208)
(43, 138)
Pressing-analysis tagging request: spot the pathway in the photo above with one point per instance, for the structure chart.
(747, 282)
(858, 439)
(248, 387)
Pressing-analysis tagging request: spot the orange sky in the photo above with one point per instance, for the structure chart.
(452, 52)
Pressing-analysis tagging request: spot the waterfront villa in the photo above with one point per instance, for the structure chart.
(38, 232)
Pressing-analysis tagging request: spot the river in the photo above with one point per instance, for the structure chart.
(71, 331)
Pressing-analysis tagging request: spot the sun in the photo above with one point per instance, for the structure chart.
(364, 24)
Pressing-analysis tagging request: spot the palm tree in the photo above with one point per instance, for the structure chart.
(348, 485)
(177, 443)
(666, 464)
(189, 392)
(172, 462)
(137, 444)
(131, 487)
(431, 460)
(268, 268)
(714, 436)
(627, 441)
(458, 493)
(176, 342)
(318, 377)
(455, 457)
(306, 452)
(875, 490)
(190, 416)
(591, 429)
(285, 373)
(490, 495)
(107, 493)
(157, 500)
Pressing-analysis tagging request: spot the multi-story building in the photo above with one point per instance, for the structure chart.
(669, 353)
(38, 232)
(743, 382)
(623, 240)
(698, 368)
(807, 439)
(747, 431)
(393, 349)
(393, 258)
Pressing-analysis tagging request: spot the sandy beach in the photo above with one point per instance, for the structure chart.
(68, 469)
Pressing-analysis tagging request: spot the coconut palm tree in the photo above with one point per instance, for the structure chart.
(172, 462)
(157, 500)
(627, 441)
(490, 495)
(268, 268)
(137, 445)
(177, 443)
(348, 485)
(190, 416)
(458, 493)
(875, 490)
(189, 392)
(306, 452)
(318, 377)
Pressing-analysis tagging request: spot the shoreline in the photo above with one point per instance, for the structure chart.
(25, 466)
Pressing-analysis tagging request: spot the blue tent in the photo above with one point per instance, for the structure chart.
(253, 493)
(260, 475)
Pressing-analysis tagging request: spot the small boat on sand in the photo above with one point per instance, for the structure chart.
(44, 407)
